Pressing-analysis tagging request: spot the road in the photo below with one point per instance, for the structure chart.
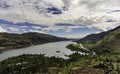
(87, 50)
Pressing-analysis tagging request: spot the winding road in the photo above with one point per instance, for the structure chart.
(87, 50)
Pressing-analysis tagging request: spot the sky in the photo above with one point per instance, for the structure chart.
(64, 18)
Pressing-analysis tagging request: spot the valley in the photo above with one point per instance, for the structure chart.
(105, 59)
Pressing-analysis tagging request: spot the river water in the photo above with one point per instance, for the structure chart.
(49, 49)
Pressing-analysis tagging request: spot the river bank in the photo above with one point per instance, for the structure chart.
(49, 49)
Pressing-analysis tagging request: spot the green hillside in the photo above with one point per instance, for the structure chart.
(103, 42)
(12, 41)
(110, 42)
(93, 38)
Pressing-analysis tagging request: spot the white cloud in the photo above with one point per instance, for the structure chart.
(2, 30)
(13, 29)
(90, 13)
(36, 31)
(75, 35)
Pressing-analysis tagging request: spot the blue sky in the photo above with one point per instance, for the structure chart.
(64, 18)
(27, 27)
(75, 33)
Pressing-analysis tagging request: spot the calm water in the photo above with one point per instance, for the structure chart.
(49, 49)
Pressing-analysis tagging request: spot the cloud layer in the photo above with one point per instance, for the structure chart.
(100, 14)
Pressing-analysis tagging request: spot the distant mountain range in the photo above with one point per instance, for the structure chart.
(10, 41)
(108, 41)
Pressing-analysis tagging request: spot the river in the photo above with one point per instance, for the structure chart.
(49, 49)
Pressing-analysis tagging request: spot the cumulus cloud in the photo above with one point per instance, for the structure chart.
(2, 30)
(88, 13)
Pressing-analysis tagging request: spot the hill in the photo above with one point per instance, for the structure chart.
(108, 41)
(93, 38)
(10, 41)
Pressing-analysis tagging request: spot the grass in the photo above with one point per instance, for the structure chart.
(2, 48)
(91, 61)
(89, 46)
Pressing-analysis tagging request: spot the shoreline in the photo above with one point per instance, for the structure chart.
(18, 48)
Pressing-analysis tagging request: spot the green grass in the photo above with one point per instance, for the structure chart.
(109, 60)
(2, 48)
(88, 45)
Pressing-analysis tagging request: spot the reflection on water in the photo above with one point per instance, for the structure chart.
(50, 49)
